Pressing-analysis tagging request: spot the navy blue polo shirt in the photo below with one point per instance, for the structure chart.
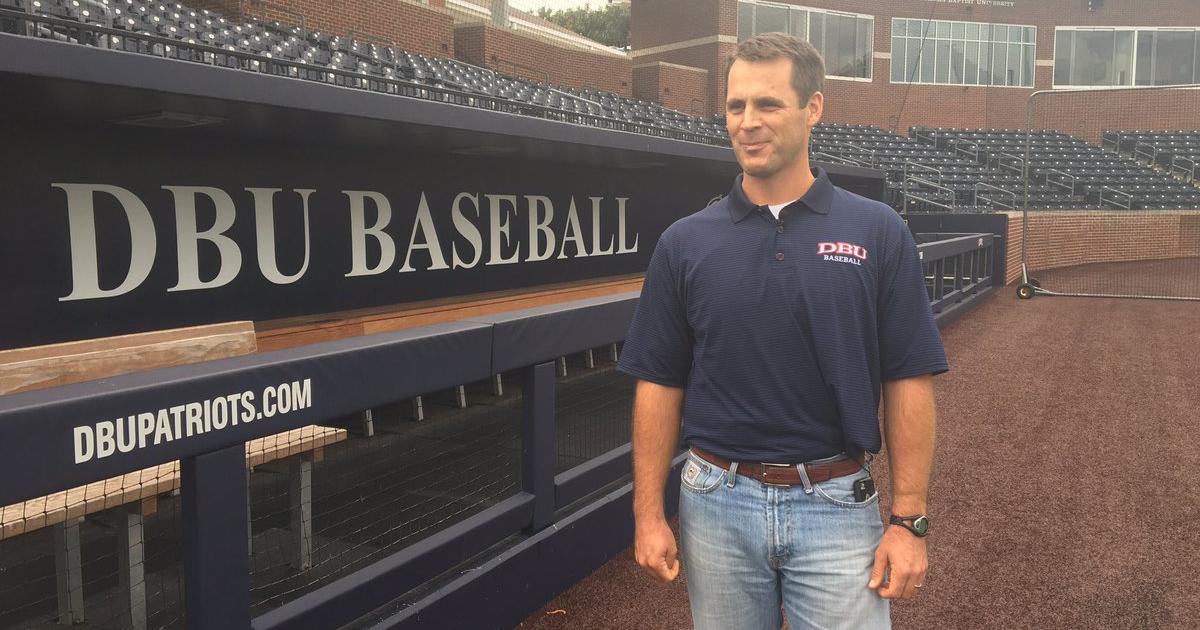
(782, 331)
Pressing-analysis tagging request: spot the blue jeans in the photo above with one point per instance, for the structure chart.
(749, 550)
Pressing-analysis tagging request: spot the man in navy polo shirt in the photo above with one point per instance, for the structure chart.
(770, 325)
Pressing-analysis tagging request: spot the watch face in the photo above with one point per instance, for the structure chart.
(921, 524)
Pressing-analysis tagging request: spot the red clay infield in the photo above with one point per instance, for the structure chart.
(1064, 493)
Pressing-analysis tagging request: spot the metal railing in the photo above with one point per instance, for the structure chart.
(1069, 187)
(1185, 167)
(957, 267)
(837, 159)
(916, 166)
(982, 186)
(1115, 197)
(1146, 151)
(1014, 163)
(923, 198)
(855, 149)
(1111, 139)
(925, 134)
(966, 148)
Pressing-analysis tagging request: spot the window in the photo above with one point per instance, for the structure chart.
(745, 21)
(845, 40)
(1144, 60)
(898, 68)
(1093, 59)
(971, 69)
(771, 18)
(799, 24)
(962, 53)
(1174, 56)
(1105, 57)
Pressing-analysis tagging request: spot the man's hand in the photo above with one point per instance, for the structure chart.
(655, 550)
(905, 555)
(909, 422)
(656, 415)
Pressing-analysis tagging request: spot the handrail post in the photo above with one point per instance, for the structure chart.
(537, 441)
(216, 554)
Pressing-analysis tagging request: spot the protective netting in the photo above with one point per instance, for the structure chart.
(105, 555)
(591, 408)
(394, 479)
(1112, 207)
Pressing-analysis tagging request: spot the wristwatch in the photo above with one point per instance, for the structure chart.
(919, 526)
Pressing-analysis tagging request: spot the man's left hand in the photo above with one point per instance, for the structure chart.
(905, 556)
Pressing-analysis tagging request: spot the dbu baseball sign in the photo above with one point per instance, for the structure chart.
(113, 233)
(482, 234)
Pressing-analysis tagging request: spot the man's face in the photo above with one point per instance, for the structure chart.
(767, 122)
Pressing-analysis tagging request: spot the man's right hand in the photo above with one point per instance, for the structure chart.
(656, 417)
(655, 550)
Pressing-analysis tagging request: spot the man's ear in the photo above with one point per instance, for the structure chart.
(816, 107)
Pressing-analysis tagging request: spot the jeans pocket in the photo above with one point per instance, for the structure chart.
(700, 476)
(840, 491)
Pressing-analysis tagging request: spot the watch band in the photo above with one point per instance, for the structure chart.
(919, 525)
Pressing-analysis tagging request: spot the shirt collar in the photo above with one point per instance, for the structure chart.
(818, 198)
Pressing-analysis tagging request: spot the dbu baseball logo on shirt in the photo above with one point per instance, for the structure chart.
(842, 252)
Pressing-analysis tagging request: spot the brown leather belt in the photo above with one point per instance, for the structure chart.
(785, 474)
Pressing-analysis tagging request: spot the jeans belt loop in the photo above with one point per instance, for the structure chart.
(803, 470)
(732, 474)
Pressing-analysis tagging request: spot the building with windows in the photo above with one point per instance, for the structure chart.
(903, 63)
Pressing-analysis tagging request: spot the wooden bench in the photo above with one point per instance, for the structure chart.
(144, 486)
(134, 495)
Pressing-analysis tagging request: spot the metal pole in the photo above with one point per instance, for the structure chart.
(1025, 206)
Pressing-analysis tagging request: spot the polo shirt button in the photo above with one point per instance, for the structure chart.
(779, 256)
(779, 229)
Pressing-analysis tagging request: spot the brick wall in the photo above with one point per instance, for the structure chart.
(646, 82)
(655, 23)
(1061, 238)
(683, 88)
(412, 27)
(707, 57)
(658, 23)
(1161, 109)
(505, 51)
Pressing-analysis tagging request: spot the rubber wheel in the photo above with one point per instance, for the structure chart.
(1025, 291)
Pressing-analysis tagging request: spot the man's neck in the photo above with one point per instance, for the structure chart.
(784, 186)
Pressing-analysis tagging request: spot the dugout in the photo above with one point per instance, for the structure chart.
(142, 193)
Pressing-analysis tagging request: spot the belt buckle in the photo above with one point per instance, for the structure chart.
(763, 476)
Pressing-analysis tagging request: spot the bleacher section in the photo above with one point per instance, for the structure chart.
(932, 179)
(941, 170)
(175, 31)
(1066, 172)
(1176, 151)
(935, 170)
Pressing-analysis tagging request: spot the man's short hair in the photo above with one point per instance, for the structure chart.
(808, 69)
